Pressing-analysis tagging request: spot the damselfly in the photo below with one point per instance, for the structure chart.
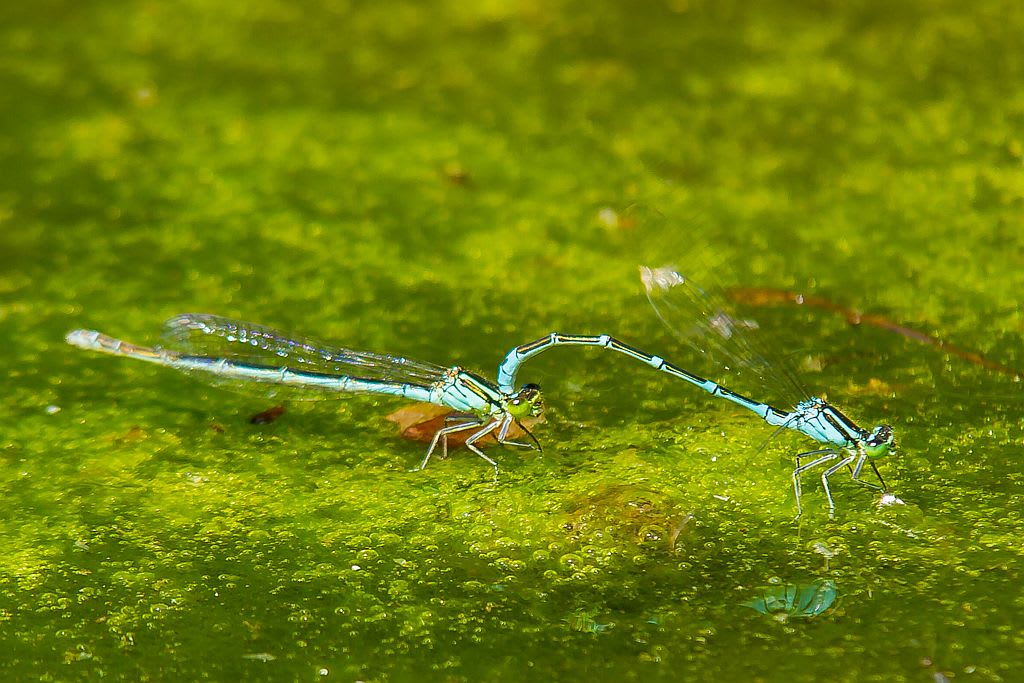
(235, 352)
(710, 330)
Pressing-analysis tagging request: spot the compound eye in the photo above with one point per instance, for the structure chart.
(881, 435)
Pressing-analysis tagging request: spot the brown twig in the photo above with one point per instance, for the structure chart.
(761, 296)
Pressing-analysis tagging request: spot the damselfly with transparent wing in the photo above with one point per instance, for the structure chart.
(707, 327)
(223, 350)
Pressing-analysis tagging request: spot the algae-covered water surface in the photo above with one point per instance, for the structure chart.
(444, 181)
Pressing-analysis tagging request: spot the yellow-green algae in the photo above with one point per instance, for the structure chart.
(446, 180)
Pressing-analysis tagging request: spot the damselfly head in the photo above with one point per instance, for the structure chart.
(527, 402)
(880, 442)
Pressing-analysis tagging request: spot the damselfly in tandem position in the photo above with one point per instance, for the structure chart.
(235, 352)
(701, 321)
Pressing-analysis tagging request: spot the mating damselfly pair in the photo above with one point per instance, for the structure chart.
(235, 352)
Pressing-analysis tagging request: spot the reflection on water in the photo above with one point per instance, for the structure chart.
(793, 601)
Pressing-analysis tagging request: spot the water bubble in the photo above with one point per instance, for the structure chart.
(570, 561)
(651, 534)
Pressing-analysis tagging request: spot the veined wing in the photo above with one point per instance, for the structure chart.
(215, 337)
(702, 321)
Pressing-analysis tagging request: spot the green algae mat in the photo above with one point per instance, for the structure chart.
(444, 181)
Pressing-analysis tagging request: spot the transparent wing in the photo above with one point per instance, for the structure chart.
(216, 337)
(728, 344)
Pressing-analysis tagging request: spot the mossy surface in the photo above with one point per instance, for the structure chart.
(445, 180)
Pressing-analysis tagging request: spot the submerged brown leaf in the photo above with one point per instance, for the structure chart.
(420, 421)
(267, 416)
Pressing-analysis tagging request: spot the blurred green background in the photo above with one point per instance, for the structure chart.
(445, 180)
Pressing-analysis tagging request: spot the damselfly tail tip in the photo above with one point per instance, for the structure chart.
(81, 338)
